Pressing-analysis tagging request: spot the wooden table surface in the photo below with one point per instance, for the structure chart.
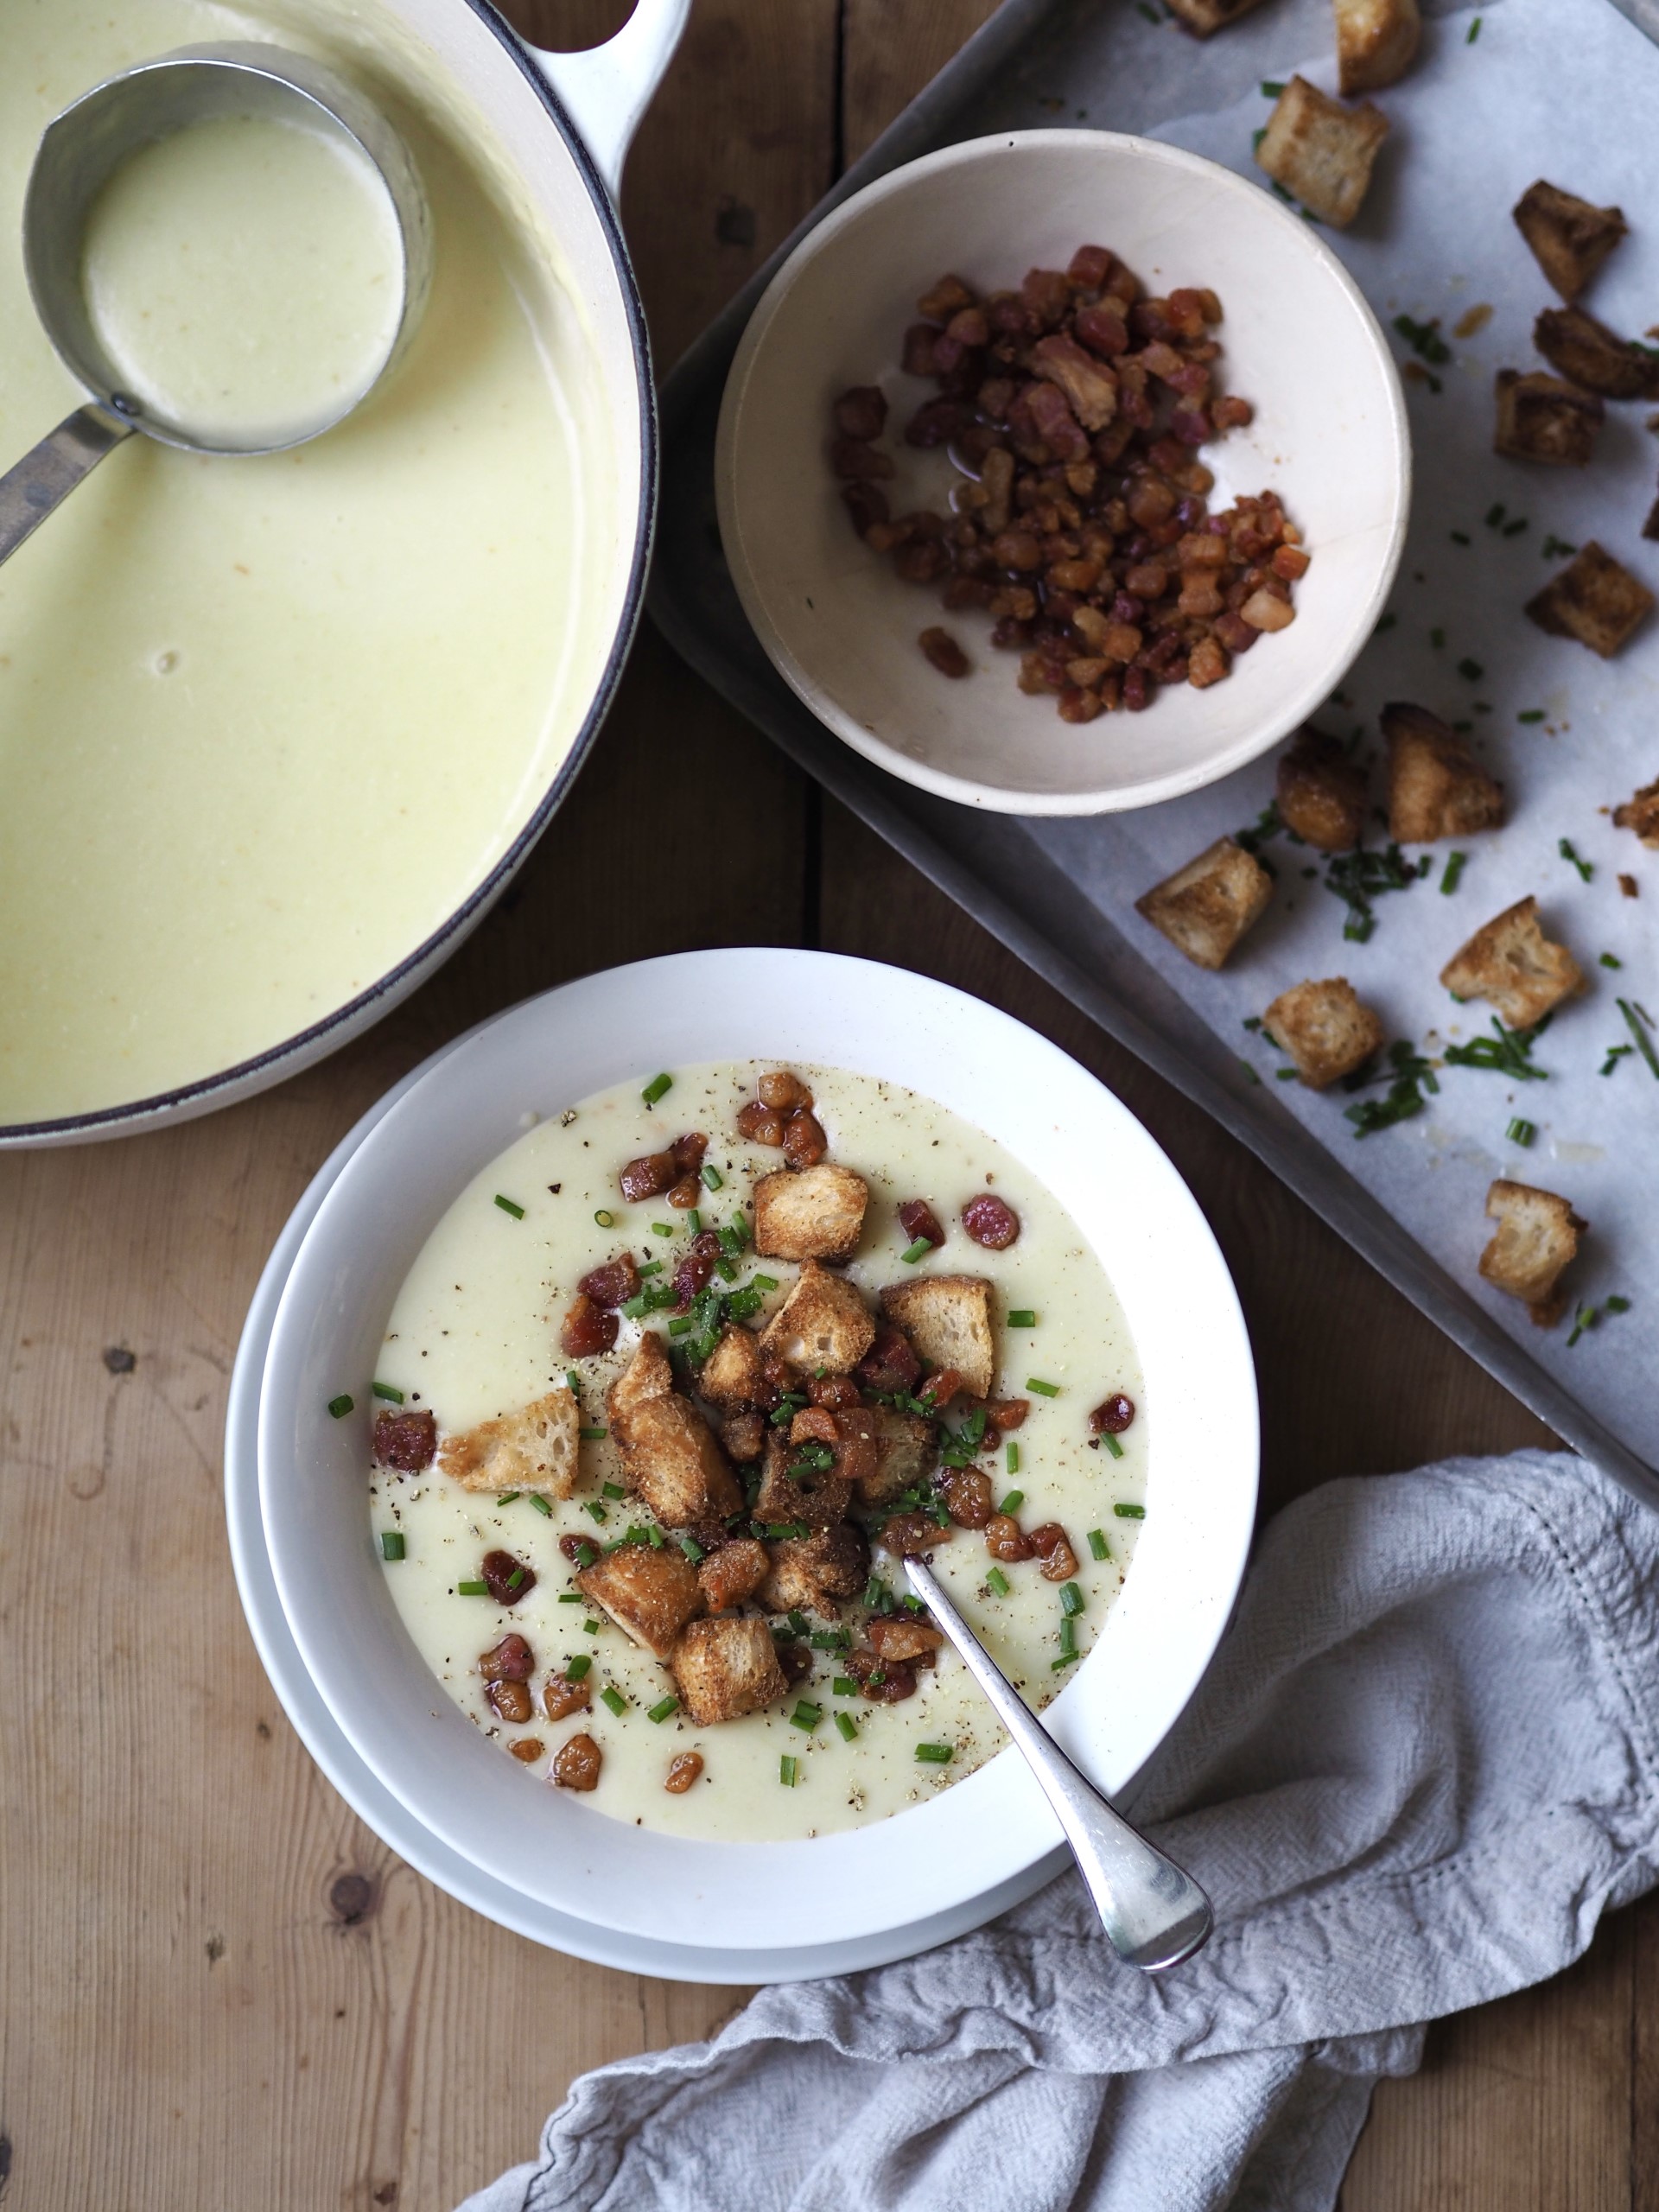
(221, 1993)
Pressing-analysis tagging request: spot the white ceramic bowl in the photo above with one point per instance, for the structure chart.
(973, 1839)
(1299, 339)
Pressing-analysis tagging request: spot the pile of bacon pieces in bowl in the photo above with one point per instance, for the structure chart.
(1074, 409)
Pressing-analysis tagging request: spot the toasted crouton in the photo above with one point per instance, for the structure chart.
(1324, 1028)
(647, 1375)
(1205, 908)
(823, 1323)
(902, 1449)
(1376, 42)
(732, 1374)
(734, 1573)
(1594, 357)
(814, 1572)
(669, 1456)
(1321, 793)
(1436, 786)
(651, 1594)
(1537, 1237)
(793, 1490)
(1593, 600)
(1513, 967)
(534, 1449)
(744, 1435)
(947, 1319)
(810, 1213)
(1320, 151)
(1541, 418)
(1641, 814)
(726, 1667)
(1570, 240)
(1204, 17)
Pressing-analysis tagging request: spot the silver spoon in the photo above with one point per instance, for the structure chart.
(81, 149)
(1154, 1915)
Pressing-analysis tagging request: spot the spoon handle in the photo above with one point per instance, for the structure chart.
(1154, 1914)
(42, 479)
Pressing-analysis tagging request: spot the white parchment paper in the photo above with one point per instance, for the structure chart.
(1567, 89)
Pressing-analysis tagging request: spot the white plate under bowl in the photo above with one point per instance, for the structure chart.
(375, 1805)
(987, 1831)
(1330, 434)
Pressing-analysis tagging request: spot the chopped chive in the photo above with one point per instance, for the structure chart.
(1098, 1545)
(789, 1770)
(1437, 639)
(936, 1754)
(1644, 1045)
(1271, 88)
(997, 1581)
(1532, 715)
(848, 1726)
(472, 1589)
(507, 1206)
(664, 1707)
(692, 1549)
(1011, 1458)
(597, 1436)
(659, 1087)
(1284, 1075)
(684, 1326)
(1130, 1512)
(541, 1503)
(693, 1222)
(1455, 864)
(589, 1627)
(1043, 1390)
(585, 1553)
(569, 1597)
(1615, 1054)
(1066, 1659)
(1460, 537)
(654, 1537)
(605, 1218)
(1013, 1501)
(341, 1406)
(1112, 1444)
(596, 1510)
(919, 1251)
(385, 1390)
(391, 1544)
(1470, 671)
(508, 1498)
(1520, 1132)
(845, 1686)
(806, 1715)
(1586, 1317)
(1585, 868)
(516, 1577)
(1473, 32)
(1070, 1599)
(1611, 960)
(763, 1282)
(1617, 1304)
(1494, 515)
(662, 1229)
(713, 1179)
(1022, 1317)
(1068, 1637)
(828, 1639)
(612, 1490)
(615, 1698)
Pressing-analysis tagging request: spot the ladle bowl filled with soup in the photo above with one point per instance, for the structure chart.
(276, 727)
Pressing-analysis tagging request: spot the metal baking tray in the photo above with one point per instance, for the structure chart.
(1013, 74)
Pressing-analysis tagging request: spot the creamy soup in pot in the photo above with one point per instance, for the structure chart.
(633, 1466)
(266, 722)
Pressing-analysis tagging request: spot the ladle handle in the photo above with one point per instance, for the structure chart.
(44, 479)
(1154, 1914)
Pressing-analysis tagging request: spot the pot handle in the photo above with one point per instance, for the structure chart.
(607, 89)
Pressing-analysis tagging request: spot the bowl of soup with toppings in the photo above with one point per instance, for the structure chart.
(630, 1353)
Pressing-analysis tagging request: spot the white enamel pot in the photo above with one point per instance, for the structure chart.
(559, 127)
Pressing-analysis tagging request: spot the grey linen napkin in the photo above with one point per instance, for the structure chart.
(1421, 1765)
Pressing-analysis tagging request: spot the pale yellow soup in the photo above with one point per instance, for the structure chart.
(266, 722)
(474, 1333)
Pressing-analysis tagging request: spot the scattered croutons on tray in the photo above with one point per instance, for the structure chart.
(1203, 17)
(1325, 1029)
(726, 1667)
(1321, 793)
(1321, 151)
(1437, 788)
(1541, 418)
(948, 1320)
(1376, 42)
(1513, 967)
(650, 1593)
(824, 1326)
(1537, 1237)
(534, 1449)
(1594, 599)
(810, 1213)
(1569, 239)
(1595, 358)
(1205, 908)
(1641, 814)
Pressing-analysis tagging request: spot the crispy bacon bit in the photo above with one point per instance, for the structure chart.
(687, 1152)
(858, 1453)
(941, 650)
(890, 1366)
(861, 412)
(990, 1222)
(405, 1441)
(1005, 1541)
(648, 1176)
(685, 1193)
(508, 1700)
(560, 1697)
(833, 1390)
(919, 1220)
(760, 1123)
(744, 1436)
(805, 1142)
(1053, 1546)
(614, 1284)
(1113, 1415)
(912, 1534)
(905, 1639)
(684, 1769)
(693, 1273)
(814, 1425)
(941, 1386)
(581, 1551)
(587, 1328)
(784, 1090)
(970, 1498)
(796, 1660)
(1005, 1414)
(510, 1661)
(527, 1748)
(883, 1681)
(508, 1579)
(577, 1764)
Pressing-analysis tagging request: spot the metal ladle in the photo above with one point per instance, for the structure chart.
(1153, 1914)
(79, 153)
